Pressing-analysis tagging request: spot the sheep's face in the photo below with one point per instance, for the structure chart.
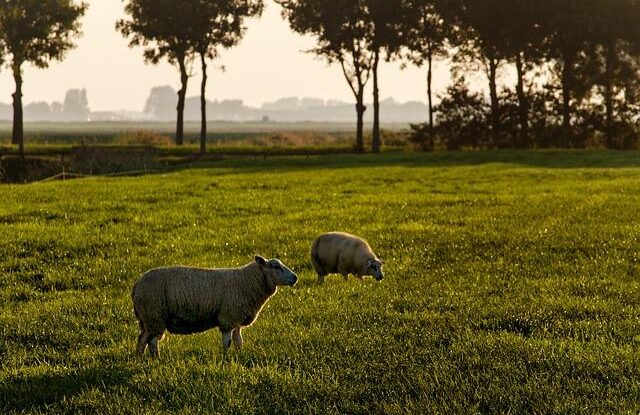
(374, 268)
(276, 271)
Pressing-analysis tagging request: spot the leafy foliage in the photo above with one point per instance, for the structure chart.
(39, 31)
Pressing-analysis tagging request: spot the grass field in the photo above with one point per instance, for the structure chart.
(512, 286)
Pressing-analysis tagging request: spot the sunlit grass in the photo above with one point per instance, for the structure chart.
(513, 285)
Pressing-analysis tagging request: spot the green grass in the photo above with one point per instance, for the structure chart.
(513, 286)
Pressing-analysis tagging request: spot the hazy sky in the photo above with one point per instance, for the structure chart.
(268, 64)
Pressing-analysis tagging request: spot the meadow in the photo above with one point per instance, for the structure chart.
(512, 286)
(219, 132)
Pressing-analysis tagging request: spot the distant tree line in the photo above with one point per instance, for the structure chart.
(575, 63)
(75, 107)
(161, 105)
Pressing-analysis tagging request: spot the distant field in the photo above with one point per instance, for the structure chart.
(51, 133)
(513, 286)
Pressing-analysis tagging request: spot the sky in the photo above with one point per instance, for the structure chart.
(270, 63)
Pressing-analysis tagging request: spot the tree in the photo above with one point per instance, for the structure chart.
(342, 30)
(386, 24)
(163, 28)
(614, 30)
(161, 102)
(524, 47)
(426, 40)
(482, 37)
(76, 105)
(217, 25)
(566, 21)
(36, 32)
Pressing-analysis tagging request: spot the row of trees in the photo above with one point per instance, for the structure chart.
(40, 31)
(571, 59)
(576, 62)
(182, 31)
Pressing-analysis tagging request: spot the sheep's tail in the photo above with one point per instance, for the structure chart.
(135, 306)
(315, 258)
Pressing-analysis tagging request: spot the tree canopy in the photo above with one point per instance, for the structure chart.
(343, 35)
(36, 32)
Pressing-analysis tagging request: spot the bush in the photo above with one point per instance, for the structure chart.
(101, 160)
(394, 138)
(463, 118)
(142, 138)
(14, 170)
(421, 136)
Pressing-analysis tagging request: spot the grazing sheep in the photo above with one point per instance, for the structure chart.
(345, 254)
(191, 300)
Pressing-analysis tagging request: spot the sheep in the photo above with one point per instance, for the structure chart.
(185, 300)
(342, 253)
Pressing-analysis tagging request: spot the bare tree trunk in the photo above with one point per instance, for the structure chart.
(523, 104)
(495, 105)
(360, 110)
(566, 100)
(203, 106)
(17, 135)
(182, 93)
(608, 93)
(375, 142)
(430, 94)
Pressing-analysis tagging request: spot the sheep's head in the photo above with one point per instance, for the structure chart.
(374, 268)
(276, 271)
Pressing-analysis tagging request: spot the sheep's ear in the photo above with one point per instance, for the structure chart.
(261, 261)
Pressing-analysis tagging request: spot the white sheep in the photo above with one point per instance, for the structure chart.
(343, 253)
(185, 300)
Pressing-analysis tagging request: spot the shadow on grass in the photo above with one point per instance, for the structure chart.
(551, 159)
(41, 391)
(558, 159)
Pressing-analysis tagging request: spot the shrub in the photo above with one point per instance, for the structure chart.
(142, 138)
(421, 136)
(14, 170)
(101, 160)
(463, 118)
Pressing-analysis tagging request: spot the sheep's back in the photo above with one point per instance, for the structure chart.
(187, 300)
(341, 250)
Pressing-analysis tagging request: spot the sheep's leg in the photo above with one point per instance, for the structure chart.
(226, 342)
(237, 338)
(154, 349)
(321, 279)
(345, 277)
(142, 341)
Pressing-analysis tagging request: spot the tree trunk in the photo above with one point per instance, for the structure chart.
(495, 105)
(430, 94)
(182, 93)
(523, 104)
(375, 142)
(608, 92)
(17, 135)
(360, 110)
(566, 100)
(203, 106)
